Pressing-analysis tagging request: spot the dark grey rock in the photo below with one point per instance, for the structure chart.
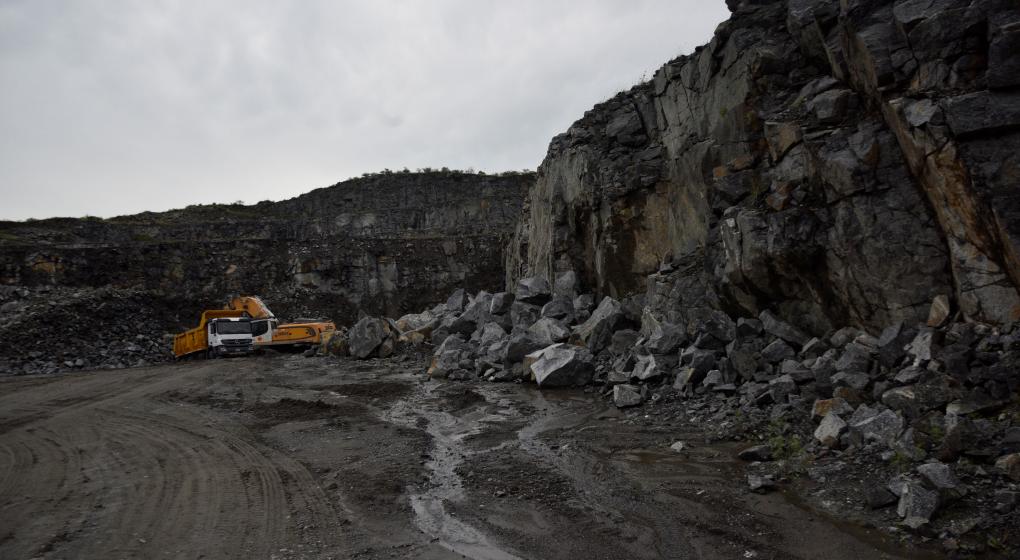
(534, 290)
(596, 333)
(566, 285)
(781, 388)
(774, 326)
(560, 308)
(760, 484)
(549, 331)
(625, 396)
(777, 351)
(829, 431)
(917, 505)
(366, 336)
(564, 366)
(623, 341)
(878, 497)
(501, 303)
(648, 366)
(884, 427)
(520, 344)
(756, 453)
(523, 315)
(665, 339)
(748, 328)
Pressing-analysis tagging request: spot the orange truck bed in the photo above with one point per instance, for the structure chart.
(197, 339)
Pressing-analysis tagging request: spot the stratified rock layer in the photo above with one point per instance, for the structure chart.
(384, 244)
(836, 163)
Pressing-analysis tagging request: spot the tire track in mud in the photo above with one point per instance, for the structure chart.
(148, 479)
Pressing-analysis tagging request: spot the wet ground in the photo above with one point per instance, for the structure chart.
(289, 457)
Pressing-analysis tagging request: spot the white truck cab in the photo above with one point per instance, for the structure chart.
(230, 336)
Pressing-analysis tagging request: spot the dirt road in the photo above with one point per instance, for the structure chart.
(289, 457)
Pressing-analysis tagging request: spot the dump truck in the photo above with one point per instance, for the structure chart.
(266, 330)
(220, 332)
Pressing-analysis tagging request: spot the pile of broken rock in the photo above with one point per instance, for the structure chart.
(922, 406)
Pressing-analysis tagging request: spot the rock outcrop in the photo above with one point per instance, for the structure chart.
(834, 163)
(383, 245)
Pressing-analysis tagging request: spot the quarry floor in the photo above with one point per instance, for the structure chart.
(291, 457)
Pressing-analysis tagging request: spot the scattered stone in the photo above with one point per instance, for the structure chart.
(596, 333)
(940, 477)
(917, 505)
(665, 338)
(523, 315)
(647, 367)
(878, 497)
(884, 427)
(783, 330)
(814, 348)
(1009, 465)
(781, 388)
(564, 366)
(760, 484)
(777, 351)
(626, 396)
(623, 341)
(560, 308)
(830, 430)
(549, 331)
(757, 453)
(823, 407)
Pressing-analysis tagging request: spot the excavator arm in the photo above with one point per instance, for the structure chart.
(279, 335)
(252, 305)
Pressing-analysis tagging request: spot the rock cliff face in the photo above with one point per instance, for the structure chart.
(383, 244)
(840, 163)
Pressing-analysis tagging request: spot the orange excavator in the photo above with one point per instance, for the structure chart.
(267, 331)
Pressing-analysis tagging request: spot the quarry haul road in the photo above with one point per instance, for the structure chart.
(289, 457)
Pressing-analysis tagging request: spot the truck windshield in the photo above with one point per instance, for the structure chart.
(233, 327)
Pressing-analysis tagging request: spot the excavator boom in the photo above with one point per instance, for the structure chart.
(304, 333)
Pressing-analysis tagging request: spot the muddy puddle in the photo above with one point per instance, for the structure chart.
(643, 498)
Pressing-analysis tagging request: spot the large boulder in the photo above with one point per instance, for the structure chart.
(560, 308)
(535, 290)
(456, 302)
(366, 337)
(520, 344)
(523, 315)
(597, 332)
(665, 338)
(416, 321)
(776, 327)
(501, 302)
(564, 366)
(566, 285)
(335, 343)
(453, 355)
(549, 331)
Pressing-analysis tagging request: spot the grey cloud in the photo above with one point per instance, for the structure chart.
(117, 107)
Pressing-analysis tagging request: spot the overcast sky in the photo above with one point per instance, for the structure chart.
(116, 107)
